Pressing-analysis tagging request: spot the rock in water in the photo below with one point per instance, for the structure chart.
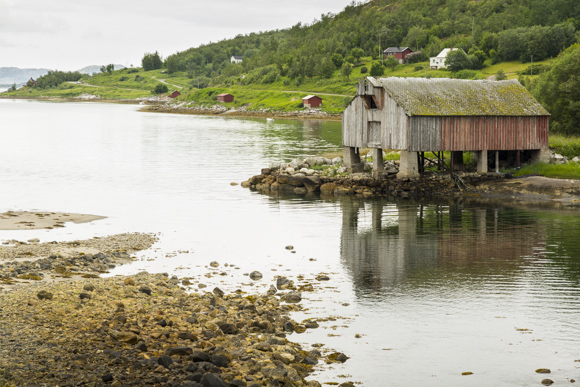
(293, 297)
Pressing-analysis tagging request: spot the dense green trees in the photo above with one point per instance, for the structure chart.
(496, 29)
(55, 78)
(108, 69)
(151, 61)
(559, 91)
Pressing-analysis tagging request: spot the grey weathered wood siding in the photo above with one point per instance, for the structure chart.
(394, 125)
(353, 122)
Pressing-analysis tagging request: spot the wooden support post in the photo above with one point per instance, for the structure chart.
(452, 166)
(496, 161)
(518, 159)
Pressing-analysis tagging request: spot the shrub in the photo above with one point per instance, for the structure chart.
(122, 79)
(377, 69)
(418, 68)
(364, 70)
(132, 71)
(160, 88)
(139, 78)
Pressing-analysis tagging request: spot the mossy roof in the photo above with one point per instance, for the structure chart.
(460, 97)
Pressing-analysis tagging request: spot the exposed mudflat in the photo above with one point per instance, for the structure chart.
(24, 220)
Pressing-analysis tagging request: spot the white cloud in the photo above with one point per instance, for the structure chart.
(68, 35)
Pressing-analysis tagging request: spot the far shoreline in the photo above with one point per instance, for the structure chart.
(162, 107)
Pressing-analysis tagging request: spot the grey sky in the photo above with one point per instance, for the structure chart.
(71, 34)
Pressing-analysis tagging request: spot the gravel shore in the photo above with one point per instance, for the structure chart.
(60, 329)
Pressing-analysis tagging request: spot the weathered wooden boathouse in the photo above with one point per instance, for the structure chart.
(417, 115)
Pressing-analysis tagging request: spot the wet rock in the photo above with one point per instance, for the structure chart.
(85, 296)
(272, 290)
(255, 275)
(547, 382)
(125, 337)
(89, 287)
(543, 371)
(187, 336)
(141, 347)
(312, 183)
(218, 292)
(229, 329)
(179, 351)
(145, 289)
(198, 356)
(289, 247)
(283, 283)
(108, 377)
(213, 380)
(44, 295)
(214, 264)
(293, 297)
(309, 360)
(165, 361)
(219, 360)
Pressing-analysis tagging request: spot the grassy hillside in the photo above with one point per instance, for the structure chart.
(279, 67)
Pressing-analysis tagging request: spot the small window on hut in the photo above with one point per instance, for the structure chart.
(370, 102)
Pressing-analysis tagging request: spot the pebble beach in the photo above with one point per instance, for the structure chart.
(64, 325)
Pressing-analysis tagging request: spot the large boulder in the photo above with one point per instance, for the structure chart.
(328, 188)
(312, 183)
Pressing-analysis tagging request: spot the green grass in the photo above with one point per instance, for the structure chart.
(260, 99)
(560, 171)
(565, 145)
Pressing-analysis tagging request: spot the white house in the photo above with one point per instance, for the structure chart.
(236, 59)
(438, 62)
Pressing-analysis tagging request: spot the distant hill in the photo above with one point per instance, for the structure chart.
(90, 70)
(10, 75)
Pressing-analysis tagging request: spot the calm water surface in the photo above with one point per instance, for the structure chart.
(418, 293)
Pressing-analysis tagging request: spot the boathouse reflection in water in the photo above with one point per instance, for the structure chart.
(385, 244)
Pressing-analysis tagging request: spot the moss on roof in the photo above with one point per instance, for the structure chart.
(459, 97)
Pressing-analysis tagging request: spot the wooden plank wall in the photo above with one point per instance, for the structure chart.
(477, 133)
(394, 125)
(353, 122)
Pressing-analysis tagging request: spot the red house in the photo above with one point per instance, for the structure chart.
(175, 94)
(225, 97)
(311, 101)
(399, 53)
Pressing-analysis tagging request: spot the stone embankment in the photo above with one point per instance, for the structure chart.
(329, 178)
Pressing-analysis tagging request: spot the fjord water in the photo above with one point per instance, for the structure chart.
(418, 293)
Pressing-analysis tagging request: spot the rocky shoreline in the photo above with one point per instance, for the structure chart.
(220, 110)
(62, 325)
(331, 179)
(319, 176)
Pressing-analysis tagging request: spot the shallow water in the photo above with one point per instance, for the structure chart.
(418, 292)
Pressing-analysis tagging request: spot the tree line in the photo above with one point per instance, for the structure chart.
(55, 78)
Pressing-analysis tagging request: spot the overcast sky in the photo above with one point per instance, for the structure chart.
(70, 34)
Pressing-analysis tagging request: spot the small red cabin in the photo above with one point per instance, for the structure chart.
(311, 101)
(399, 53)
(175, 94)
(225, 97)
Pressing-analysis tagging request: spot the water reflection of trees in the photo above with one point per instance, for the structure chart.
(390, 244)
